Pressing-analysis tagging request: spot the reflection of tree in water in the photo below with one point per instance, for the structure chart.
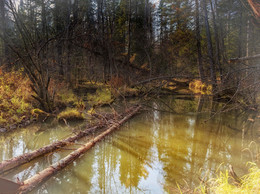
(173, 147)
(190, 145)
(180, 104)
(134, 149)
(14, 144)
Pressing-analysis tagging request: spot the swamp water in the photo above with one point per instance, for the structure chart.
(149, 154)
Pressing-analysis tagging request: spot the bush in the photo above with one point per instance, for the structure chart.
(15, 97)
(198, 87)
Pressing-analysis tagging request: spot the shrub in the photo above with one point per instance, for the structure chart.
(198, 87)
(15, 97)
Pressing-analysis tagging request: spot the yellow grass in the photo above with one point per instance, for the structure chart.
(70, 114)
(224, 184)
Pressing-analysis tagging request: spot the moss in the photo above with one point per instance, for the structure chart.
(70, 114)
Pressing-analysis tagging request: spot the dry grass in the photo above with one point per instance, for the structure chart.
(223, 183)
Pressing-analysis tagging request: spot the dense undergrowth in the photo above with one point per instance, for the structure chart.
(15, 98)
(17, 105)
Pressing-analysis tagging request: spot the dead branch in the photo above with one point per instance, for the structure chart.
(163, 77)
(232, 173)
(255, 7)
(233, 60)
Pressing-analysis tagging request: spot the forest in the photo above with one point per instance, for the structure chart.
(72, 72)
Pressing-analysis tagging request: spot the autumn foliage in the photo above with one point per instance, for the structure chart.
(15, 95)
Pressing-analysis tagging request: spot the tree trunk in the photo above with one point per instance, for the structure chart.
(210, 48)
(129, 32)
(3, 29)
(240, 32)
(44, 175)
(214, 10)
(198, 37)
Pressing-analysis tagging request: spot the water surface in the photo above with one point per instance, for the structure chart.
(149, 154)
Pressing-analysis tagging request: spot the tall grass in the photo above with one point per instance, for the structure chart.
(224, 183)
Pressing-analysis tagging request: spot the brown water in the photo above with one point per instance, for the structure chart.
(149, 154)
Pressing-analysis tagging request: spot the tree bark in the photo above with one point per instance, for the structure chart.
(44, 175)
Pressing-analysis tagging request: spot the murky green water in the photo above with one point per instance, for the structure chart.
(149, 154)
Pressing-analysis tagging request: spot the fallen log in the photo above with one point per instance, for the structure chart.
(44, 175)
(164, 77)
(7, 165)
(233, 60)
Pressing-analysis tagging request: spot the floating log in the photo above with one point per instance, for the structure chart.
(44, 175)
(7, 165)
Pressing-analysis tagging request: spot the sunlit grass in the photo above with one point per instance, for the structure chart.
(224, 183)
(70, 114)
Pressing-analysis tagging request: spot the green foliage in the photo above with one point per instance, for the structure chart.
(14, 97)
